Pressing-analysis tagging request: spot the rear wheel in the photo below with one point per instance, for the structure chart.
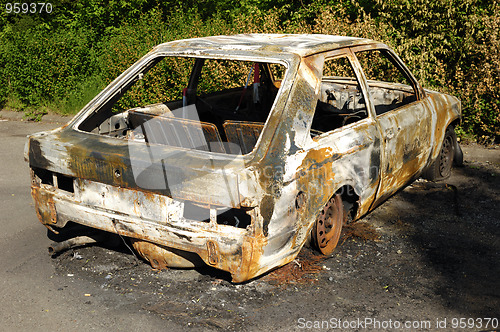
(328, 225)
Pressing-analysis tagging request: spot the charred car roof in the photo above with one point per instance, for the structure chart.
(298, 44)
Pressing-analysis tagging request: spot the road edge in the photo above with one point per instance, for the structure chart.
(47, 118)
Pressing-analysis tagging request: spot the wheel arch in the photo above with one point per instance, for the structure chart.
(350, 199)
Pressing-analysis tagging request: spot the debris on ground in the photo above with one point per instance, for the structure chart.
(360, 230)
(302, 270)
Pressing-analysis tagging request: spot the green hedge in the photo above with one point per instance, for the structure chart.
(60, 62)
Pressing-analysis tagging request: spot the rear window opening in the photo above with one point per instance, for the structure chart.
(203, 104)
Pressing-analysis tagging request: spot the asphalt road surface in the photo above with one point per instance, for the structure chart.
(428, 255)
(34, 297)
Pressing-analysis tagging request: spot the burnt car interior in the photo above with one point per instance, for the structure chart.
(341, 101)
(222, 108)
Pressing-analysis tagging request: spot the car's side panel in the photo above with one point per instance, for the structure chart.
(348, 156)
(406, 147)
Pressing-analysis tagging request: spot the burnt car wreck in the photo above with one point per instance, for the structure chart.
(270, 141)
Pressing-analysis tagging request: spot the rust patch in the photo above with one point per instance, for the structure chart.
(53, 212)
(318, 159)
(251, 252)
(161, 257)
(213, 256)
(44, 206)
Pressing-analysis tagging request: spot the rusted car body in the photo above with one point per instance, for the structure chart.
(241, 178)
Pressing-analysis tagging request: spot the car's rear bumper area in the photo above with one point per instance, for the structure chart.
(153, 218)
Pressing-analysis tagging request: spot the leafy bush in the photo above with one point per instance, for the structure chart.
(55, 65)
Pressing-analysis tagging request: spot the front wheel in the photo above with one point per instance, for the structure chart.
(440, 169)
(328, 225)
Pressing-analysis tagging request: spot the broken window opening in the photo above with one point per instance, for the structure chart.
(214, 105)
(389, 85)
(341, 101)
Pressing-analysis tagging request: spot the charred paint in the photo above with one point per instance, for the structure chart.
(266, 211)
(100, 162)
(36, 156)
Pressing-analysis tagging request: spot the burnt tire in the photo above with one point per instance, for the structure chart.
(328, 226)
(440, 169)
(458, 159)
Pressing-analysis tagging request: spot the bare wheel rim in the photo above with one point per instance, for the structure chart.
(329, 225)
(446, 157)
